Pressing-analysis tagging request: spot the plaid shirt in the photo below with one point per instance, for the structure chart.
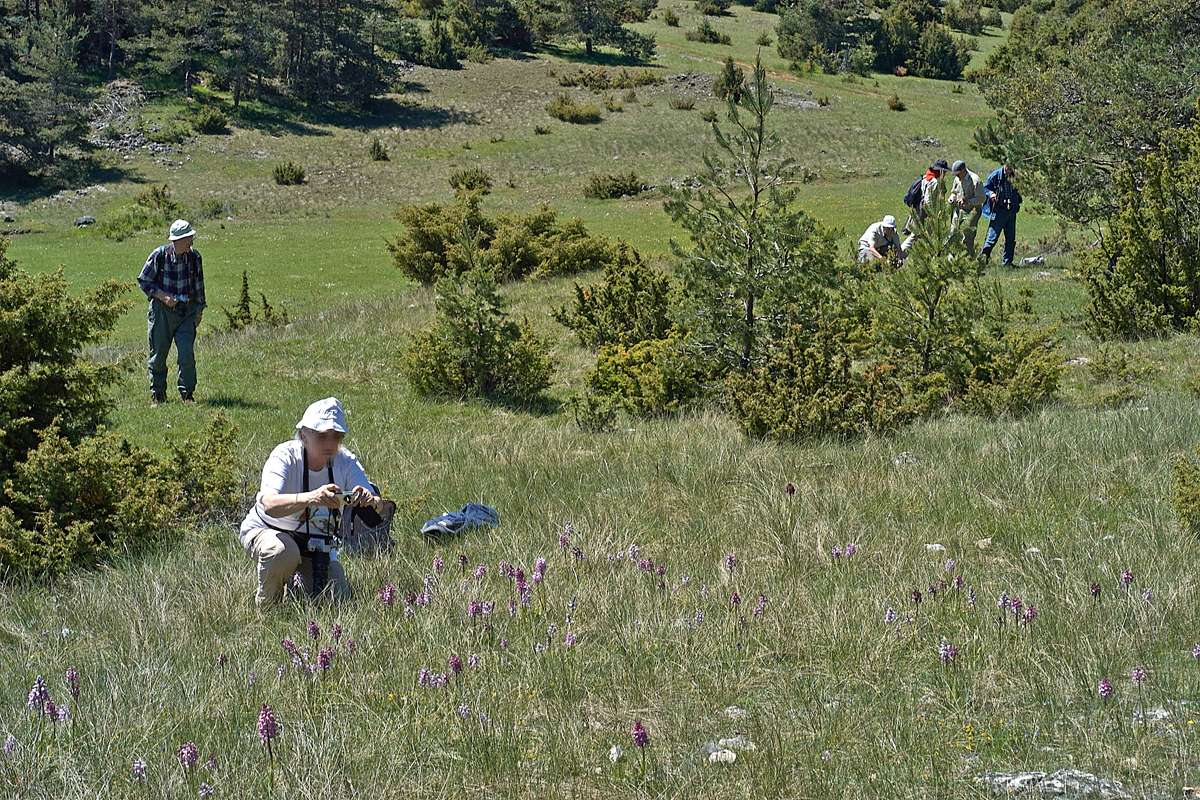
(163, 272)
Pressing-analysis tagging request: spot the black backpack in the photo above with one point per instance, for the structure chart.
(912, 198)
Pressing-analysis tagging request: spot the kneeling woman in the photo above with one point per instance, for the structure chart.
(301, 494)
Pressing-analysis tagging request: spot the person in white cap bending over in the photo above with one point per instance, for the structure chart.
(879, 241)
(301, 493)
(173, 280)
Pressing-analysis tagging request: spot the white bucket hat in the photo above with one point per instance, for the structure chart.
(181, 229)
(889, 221)
(324, 415)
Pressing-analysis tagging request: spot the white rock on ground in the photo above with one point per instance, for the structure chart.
(1071, 784)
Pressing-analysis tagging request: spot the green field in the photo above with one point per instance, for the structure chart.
(838, 702)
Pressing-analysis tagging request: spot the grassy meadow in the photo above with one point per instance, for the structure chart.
(839, 682)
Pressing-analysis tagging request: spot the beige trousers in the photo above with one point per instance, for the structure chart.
(279, 559)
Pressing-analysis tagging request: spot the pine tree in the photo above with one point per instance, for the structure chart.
(175, 40)
(755, 260)
(598, 22)
(731, 82)
(52, 95)
(247, 41)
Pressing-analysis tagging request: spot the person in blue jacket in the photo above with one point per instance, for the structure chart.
(1001, 205)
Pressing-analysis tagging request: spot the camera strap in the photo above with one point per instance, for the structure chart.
(308, 511)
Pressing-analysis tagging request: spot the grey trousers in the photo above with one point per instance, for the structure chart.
(164, 327)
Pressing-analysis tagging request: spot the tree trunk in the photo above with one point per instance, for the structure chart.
(587, 44)
(748, 334)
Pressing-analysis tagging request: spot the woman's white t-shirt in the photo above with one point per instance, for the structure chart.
(284, 474)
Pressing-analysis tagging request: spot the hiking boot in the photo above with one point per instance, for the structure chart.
(187, 398)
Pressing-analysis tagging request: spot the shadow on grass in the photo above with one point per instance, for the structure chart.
(278, 115)
(577, 55)
(228, 401)
(19, 186)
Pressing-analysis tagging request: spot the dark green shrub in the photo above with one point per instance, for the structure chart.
(1146, 277)
(566, 109)
(992, 19)
(707, 34)
(78, 504)
(965, 16)
(44, 333)
(600, 80)
(713, 8)
(764, 40)
(438, 49)
(593, 414)
(896, 104)
(633, 303)
(209, 120)
(824, 31)
(731, 82)
(377, 151)
(811, 386)
(951, 337)
(861, 59)
(288, 174)
(708, 115)
(470, 180)
(541, 130)
(612, 186)
(428, 248)
(513, 246)
(897, 38)
(941, 54)
(473, 350)
(244, 316)
(1014, 373)
(671, 18)
(647, 378)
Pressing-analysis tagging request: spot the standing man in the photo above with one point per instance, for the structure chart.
(967, 199)
(926, 189)
(879, 241)
(173, 280)
(1003, 203)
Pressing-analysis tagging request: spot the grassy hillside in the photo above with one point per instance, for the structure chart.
(838, 699)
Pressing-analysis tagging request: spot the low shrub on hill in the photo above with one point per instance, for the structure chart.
(612, 186)
(470, 180)
(567, 109)
(633, 302)
(512, 246)
(151, 208)
(288, 173)
(210, 121)
(473, 349)
(707, 34)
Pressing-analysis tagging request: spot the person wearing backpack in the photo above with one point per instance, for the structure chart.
(1001, 207)
(919, 196)
(173, 281)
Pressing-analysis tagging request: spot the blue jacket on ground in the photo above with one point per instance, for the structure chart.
(1007, 198)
